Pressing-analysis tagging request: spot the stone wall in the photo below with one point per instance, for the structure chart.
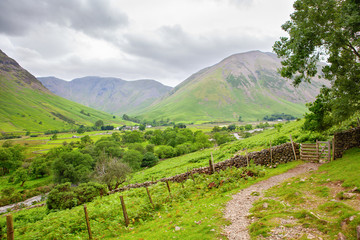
(346, 140)
(280, 154)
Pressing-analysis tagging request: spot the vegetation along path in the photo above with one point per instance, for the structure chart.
(238, 208)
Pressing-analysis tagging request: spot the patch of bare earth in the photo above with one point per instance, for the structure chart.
(238, 208)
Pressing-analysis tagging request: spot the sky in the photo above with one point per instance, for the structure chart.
(164, 40)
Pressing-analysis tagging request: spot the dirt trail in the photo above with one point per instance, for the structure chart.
(238, 208)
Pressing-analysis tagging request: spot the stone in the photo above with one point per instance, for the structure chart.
(265, 205)
(177, 228)
(358, 232)
(341, 236)
(348, 195)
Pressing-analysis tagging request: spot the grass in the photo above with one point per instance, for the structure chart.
(313, 201)
(196, 209)
(23, 108)
(212, 98)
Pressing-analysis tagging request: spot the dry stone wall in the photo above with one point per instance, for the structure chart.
(346, 140)
(280, 154)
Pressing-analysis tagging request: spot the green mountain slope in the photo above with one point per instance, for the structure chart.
(245, 85)
(112, 95)
(25, 104)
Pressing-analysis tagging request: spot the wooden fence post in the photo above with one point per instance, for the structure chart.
(87, 222)
(247, 158)
(317, 151)
(293, 147)
(329, 151)
(168, 187)
(192, 176)
(148, 193)
(10, 227)
(210, 167)
(333, 148)
(212, 164)
(270, 154)
(126, 218)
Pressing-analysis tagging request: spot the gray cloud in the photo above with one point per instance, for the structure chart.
(175, 49)
(163, 40)
(21, 16)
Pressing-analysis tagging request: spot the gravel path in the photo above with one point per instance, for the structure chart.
(238, 208)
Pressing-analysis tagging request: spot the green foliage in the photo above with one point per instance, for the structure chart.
(63, 196)
(223, 137)
(165, 151)
(324, 30)
(99, 123)
(149, 160)
(137, 146)
(132, 137)
(10, 158)
(282, 116)
(133, 158)
(142, 127)
(111, 171)
(40, 167)
(21, 175)
(318, 119)
(73, 167)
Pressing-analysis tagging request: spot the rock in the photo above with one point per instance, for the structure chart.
(265, 205)
(212, 230)
(341, 236)
(352, 218)
(211, 185)
(348, 195)
(358, 232)
(177, 228)
(355, 189)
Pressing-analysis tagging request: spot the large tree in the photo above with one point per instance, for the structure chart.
(324, 31)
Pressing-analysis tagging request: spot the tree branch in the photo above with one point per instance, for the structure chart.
(353, 49)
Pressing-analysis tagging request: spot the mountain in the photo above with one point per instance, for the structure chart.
(112, 95)
(25, 104)
(245, 84)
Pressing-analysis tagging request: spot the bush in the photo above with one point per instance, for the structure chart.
(133, 158)
(72, 167)
(165, 151)
(64, 196)
(149, 160)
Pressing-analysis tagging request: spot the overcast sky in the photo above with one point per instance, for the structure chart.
(164, 40)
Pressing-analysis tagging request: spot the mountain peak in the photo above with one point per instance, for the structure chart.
(9, 66)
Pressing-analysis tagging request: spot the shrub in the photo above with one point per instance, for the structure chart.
(64, 196)
(149, 160)
(165, 151)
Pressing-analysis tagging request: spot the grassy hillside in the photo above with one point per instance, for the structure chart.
(26, 105)
(245, 85)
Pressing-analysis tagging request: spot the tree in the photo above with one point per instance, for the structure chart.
(72, 167)
(99, 123)
(111, 171)
(142, 127)
(133, 158)
(324, 30)
(21, 175)
(149, 160)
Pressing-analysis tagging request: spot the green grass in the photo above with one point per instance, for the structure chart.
(313, 202)
(212, 98)
(196, 209)
(23, 108)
